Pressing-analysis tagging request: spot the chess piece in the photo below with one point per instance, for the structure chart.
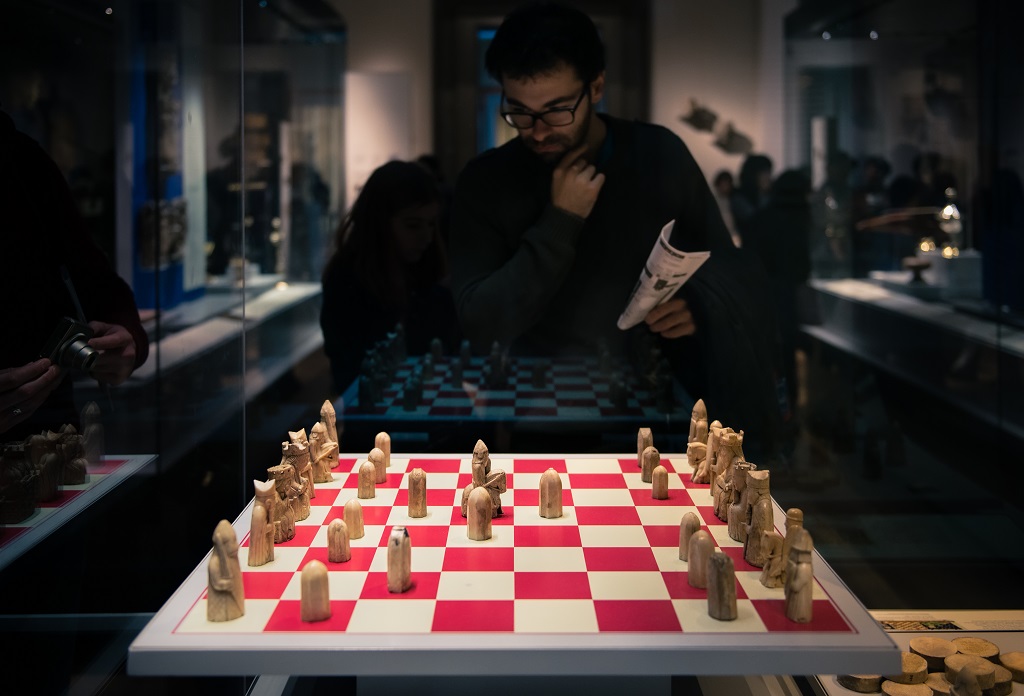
(338, 549)
(287, 506)
(757, 489)
(774, 570)
(417, 493)
(737, 515)
(465, 354)
(455, 373)
(689, 524)
(727, 454)
(550, 494)
(93, 433)
(465, 498)
(428, 371)
(479, 510)
(644, 439)
(367, 481)
(42, 455)
(323, 453)
(315, 595)
(697, 457)
(659, 479)
(754, 550)
(71, 450)
(700, 550)
(436, 349)
(481, 455)
(799, 587)
(330, 420)
(382, 441)
(263, 530)
(225, 598)
(399, 560)
(483, 477)
(794, 521)
(295, 453)
(380, 467)
(353, 515)
(649, 459)
(721, 587)
(698, 423)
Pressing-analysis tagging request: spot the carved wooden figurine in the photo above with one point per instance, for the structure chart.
(262, 529)
(383, 442)
(380, 465)
(225, 599)
(483, 477)
(697, 456)
(698, 423)
(399, 560)
(323, 453)
(799, 586)
(71, 450)
(465, 497)
(644, 439)
(550, 494)
(714, 435)
(728, 453)
(659, 481)
(794, 521)
(689, 524)
(737, 515)
(649, 459)
(367, 481)
(354, 519)
(701, 548)
(774, 571)
(338, 549)
(417, 493)
(721, 587)
(757, 489)
(330, 420)
(754, 550)
(314, 593)
(479, 510)
(93, 433)
(287, 502)
(295, 456)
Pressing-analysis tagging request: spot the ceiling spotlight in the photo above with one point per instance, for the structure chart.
(873, 35)
(826, 35)
(109, 11)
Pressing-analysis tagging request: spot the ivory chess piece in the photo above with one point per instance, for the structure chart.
(353, 514)
(417, 493)
(465, 497)
(644, 439)
(697, 457)
(649, 459)
(774, 570)
(698, 423)
(298, 456)
(295, 456)
(550, 494)
(266, 497)
(367, 481)
(329, 418)
(799, 587)
(700, 550)
(483, 477)
(71, 450)
(728, 453)
(721, 587)
(754, 550)
(737, 515)
(794, 521)
(479, 510)
(315, 595)
(399, 560)
(338, 548)
(225, 599)
(261, 536)
(689, 524)
(323, 453)
(380, 465)
(287, 505)
(757, 489)
(659, 483)
(382, 441)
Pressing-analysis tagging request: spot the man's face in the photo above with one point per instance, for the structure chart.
(558, 89)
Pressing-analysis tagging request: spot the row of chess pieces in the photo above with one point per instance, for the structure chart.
(741, 498)
(32, 471)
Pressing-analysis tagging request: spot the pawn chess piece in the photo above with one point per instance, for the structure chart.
(382, 441)
(399, 560)
(799, 587)
(225, 598)
(689, 524)
(774, 570)
(721, 587)
(380, 467)
(338, 549)
(353, 514)
(644, 439)
(701, 548)
(417, 493)
(480, 510)
(315, 595)
(659, 481)
(550, 495)
(367, 481)
(649, 459)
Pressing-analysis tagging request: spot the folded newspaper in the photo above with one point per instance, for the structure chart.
(666, 270)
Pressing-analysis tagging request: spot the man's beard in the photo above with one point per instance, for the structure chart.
(562, 144)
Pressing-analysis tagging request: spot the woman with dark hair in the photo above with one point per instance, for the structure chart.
(752, 192)
(389, 268)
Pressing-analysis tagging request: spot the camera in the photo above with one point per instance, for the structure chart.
(68, 346)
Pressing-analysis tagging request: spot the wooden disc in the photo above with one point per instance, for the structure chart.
(986, 670)
(895, 689)
(915, 670)
(1014, 661)
(977, 646)
(1004, 683)
(861, 683)
(937, 683)
(933, 650)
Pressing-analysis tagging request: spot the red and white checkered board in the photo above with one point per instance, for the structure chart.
(573, 390)
(609, 565)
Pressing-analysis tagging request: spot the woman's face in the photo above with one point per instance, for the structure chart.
(414, 230)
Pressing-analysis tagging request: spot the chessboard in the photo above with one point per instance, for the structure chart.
(600, 590)
(552, 390)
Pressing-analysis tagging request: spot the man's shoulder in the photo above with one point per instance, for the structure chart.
(644, 134)
(496, 160)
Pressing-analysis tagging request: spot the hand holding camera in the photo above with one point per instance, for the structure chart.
(116, 353)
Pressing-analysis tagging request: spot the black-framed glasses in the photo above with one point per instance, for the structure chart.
(558, 116)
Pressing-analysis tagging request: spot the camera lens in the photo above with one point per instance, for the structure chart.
(78, 354)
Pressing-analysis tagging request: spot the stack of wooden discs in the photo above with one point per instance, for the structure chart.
(933, 665)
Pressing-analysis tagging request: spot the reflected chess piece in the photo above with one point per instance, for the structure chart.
(917, 266)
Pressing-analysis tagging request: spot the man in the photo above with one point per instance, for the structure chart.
(551, 231)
